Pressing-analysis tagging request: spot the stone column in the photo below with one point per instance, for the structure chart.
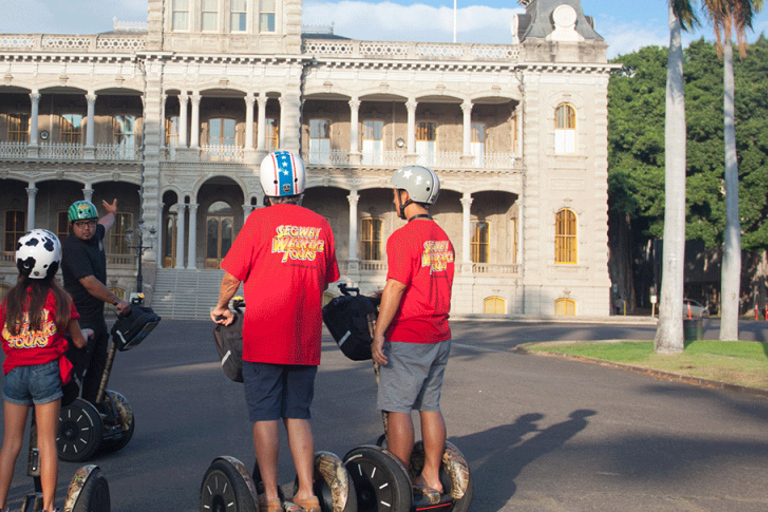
(180, 209)
(160, 235)
(466, 231)
(31, 193)
(194, 141)
(34, 117)
(354, 131)
(249, 101)
(88, 193)
(466, 107)
(183, 102)
(261, 135)
(353, 199)
(192, 256)
(411, 105)
(90, 134)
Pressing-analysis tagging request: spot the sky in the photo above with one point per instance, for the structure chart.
(626, 25)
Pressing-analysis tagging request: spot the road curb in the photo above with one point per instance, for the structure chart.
(696, 381)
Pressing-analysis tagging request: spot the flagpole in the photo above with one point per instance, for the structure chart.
(454, 21)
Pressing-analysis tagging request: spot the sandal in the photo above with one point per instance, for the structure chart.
(311, 504)
(266, 505)
(430, 495)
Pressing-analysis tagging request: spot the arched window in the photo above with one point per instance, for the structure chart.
(370, 239)
(373, 142)
(565, 307)
(426, 142)
(480, 242)
(494, 306)
(565, 129)
(565, 237)
(319, 141)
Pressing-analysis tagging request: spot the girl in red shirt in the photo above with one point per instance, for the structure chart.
(34, 315)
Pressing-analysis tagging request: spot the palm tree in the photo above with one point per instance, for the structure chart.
(669, 334)
(727, 17)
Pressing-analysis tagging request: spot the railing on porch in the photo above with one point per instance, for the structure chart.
(222, 153)
(367, 266)
(121, 260)
(69, 151)
(13, 149)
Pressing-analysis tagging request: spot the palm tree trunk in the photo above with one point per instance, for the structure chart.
(669, 334)
(731, 270)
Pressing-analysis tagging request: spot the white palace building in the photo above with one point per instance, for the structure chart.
(173, 118)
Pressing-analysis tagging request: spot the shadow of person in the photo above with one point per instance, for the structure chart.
(497, 456)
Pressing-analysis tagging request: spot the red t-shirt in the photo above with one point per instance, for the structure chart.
(35, 347)
(285, 257)
(420, 256)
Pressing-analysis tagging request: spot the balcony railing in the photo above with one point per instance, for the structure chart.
(61, 151)
(100, 43)
(222, 154)
(491, 269)
(69, 151)
(411, 50)
(13, 149)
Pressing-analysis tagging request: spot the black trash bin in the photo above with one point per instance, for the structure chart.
(693, 329)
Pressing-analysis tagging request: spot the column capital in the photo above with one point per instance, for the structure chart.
(354, 103)
(192, 207)
(195, 97)
(91, 97)
(411, 104)
(250, 99)
(35, 96)
(353, 197)
(179, 207)
(467, 105)
(32, 190)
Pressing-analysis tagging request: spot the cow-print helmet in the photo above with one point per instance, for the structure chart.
(38, 254)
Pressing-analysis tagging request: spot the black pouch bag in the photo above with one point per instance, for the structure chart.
(229, 345)
(131, 329)
(347, 318)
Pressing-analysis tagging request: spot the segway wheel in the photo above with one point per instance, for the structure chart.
(332, 484)
(454, 474)
(381, 482)
(120, 405)
(88, 491)
(80, 431)
(227, 487)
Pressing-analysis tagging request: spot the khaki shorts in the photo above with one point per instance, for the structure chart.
(413, 376)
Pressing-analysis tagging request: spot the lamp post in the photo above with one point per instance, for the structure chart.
(140, 247)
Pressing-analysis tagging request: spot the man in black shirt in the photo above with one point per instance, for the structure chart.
(84, 269)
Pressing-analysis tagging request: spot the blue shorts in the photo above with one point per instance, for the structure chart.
(413, 376)
(37, 384)
(274, 391)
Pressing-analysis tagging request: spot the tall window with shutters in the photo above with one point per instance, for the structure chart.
(565, 130)
(566, 241)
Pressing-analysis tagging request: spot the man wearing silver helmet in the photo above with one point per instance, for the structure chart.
(412, 339)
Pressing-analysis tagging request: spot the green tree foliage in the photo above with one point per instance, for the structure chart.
(636, 143)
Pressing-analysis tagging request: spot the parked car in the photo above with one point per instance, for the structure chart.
(696, 309)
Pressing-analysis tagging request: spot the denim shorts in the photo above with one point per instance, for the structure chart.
(37, 384)
(413, 376)
(274, 391)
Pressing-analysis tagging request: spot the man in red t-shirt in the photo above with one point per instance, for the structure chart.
(285, 257)
(412, 340)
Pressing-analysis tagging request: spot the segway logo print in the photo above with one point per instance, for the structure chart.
(436, 255)
(31, 339)
(298, 243)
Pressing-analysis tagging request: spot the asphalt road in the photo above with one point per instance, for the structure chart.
(540, 433)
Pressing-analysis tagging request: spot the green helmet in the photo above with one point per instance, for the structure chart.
(82, 210)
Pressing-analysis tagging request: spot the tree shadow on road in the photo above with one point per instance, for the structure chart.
(498, 455)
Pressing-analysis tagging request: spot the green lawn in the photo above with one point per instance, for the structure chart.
(744, 363)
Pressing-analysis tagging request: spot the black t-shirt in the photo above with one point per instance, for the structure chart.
(82, 258)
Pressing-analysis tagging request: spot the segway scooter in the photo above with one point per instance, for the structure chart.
(228, 487)
(88, 490)
(381, 481)
(107, 425)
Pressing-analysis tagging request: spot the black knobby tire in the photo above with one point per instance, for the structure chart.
(224, 489)
(94, 495)
(381, 482)
(120, 405)
(80, 433)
